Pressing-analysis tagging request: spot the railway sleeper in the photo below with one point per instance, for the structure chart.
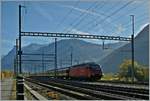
(98, 94)
(104, 88)
(67, 92)
(109, 90)
(140, 92)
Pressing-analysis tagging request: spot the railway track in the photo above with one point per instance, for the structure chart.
(74, 94)
(122, 87)
(109, 86)
(131, 92)
(96, 91)
(123, 82)
(48, 93)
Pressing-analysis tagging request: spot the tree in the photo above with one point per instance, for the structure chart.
(140, 72)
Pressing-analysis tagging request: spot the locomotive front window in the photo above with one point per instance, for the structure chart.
(95, 66)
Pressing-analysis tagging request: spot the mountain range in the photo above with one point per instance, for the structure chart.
(82, 51)
(111, 62)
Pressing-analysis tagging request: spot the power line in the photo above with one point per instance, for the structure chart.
(82, 14)
(132, 9)
(113, 13)
(106, 11)
(123, 15)
(139, 17)
(124, 26)
(109, 23)
(64, 18)
(135, 7)
(83, 18)
(136, 21)
(103, 14)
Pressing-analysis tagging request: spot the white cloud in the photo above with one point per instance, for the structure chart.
(139, 1)
(92, 12)
(95, 41)
(75, 31)
(85, 11)
(119, 29)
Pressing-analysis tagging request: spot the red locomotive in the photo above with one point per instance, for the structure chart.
(91, 71)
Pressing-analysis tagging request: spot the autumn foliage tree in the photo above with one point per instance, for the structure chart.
(6, 74)
(141, 73)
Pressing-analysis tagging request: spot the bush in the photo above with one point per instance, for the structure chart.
(141, 73)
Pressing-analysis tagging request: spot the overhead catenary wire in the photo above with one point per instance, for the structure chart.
(137, 21)
(108, 10)
(124, 14)
(111, 25)
(71, 24)
(101, 8)
(98, 17)
(113, 13)
(128, 25)
(64, 18)
(118, 17)
(102, 20)
(85, 15)
(141, 16)
(104, 3)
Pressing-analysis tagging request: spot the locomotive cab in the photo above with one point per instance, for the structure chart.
(96, 72)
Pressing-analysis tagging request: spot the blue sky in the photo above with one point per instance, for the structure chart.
(101, 17)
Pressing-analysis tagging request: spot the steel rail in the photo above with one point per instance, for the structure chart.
(131, 92)
(74, 94)
(87, 90)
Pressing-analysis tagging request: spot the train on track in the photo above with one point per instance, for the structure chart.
(85, 71)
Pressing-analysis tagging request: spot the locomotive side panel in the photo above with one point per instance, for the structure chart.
(80, 72)
(89, 71)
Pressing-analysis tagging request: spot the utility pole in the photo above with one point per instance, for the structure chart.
(55, 57)
(35, 69)
(31, 69)
(103, 45)
(20, 51)
(15, 67)
(132, 47)
(61, 62)
(16, 56)
(71, 55)
(43, 61)
(16, 60)
(20, 80)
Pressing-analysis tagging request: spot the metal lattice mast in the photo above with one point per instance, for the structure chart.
(132, 47)
(55, 57)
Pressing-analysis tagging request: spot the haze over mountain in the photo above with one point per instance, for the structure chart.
(82, 51)
(8, 60)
